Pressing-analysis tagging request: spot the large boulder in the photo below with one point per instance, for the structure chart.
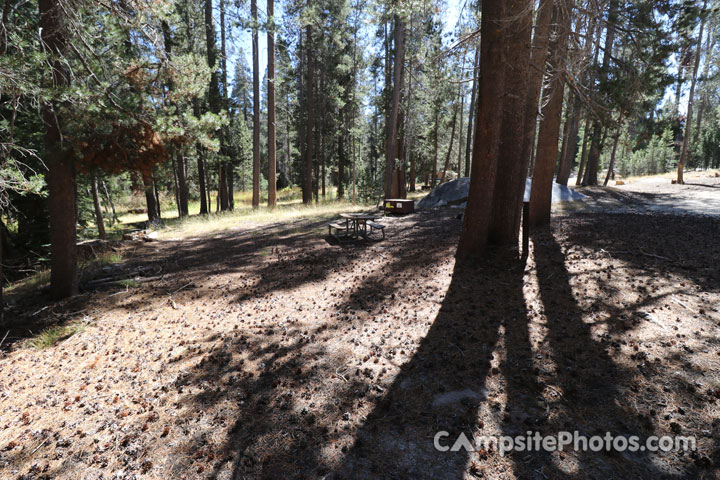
(455, 193)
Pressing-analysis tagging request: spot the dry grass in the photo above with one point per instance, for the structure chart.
(668, 175)
(51, 336)
(247, 218)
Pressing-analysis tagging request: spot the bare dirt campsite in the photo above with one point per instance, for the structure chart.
(266, 351)
(359, 240)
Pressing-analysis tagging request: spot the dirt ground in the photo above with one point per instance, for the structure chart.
(699, 195)
(272, 353)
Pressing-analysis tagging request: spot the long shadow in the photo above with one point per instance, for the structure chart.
(585, 377)
(592, 388)
(442, 388)
(300, 433)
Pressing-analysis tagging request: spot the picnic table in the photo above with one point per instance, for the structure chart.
(356, 224)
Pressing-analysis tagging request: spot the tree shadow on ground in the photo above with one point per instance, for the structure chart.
(300, 432)
(444, 384)
(579, 385)
(307, 395)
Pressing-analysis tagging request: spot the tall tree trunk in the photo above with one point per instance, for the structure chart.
(230, 179)
(593, 161)
(150, 199)
(392, 121)
(584, 151)
(436, 132)
(202, 182)
(227, 149)
(208, 190)
(214, 96)
(61, 167)
(679, 84)
(413, 172)
(182, 186)
(611, 167)
(322, 177)
(272, 167)
(567, 158)
(709, 46)
(468, 144)
(452, 140)
(460, 132)
(565, 134)
(98, 208)
(473, 238)
(547, 149)
(222, 188)
(691, 101)
(309, 126)
(519, 79)
(341, 156)
(110, 201)
(176, 185)
(354, 147)
(256, 107)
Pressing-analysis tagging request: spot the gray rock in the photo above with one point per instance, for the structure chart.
(455, 193)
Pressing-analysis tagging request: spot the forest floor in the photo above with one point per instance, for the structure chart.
(699, 195)
(271, 352)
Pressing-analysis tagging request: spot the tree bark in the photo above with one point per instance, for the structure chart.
(392, 121)
(98, 208)
(547, 149)
(110, 201)
(182, 186)
(691, 101)
(214, 96)
(272, 166)
(309, 126)
(256, 107)
(567, 158)
(584, 151)
(176, 185)
(460, 130)
(150, 199)
(468, 144)
(202, 182)
(473, 238)
(612, 159)
(230, 179)
(179, 169)
(519, 79)
(433, 175)
(593, 160)
(227, 149)
(452, 140)
(709, 47)
(408, 106)
(341, 157)
(61, 167)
